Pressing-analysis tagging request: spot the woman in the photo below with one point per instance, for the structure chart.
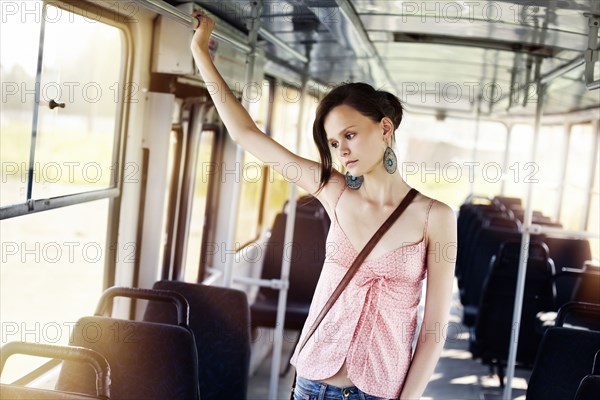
(363, 347)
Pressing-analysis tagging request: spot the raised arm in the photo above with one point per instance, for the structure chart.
(242, 129)
(441, 257)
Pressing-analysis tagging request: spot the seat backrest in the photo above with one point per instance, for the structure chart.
(219, 319)
(564, 358)
(570, 253)
(470, 220)
(486, 244)
(494, 322)
(148, 360)
(307, 253)
(587, 288)
(509, 202)
(76, 354)
(589, 388)
(579, 314)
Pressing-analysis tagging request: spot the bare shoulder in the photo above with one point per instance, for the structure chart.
(442, 221)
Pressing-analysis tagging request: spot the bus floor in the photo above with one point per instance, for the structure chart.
(456, 377)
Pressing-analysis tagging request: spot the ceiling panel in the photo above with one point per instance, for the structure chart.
(411, 39)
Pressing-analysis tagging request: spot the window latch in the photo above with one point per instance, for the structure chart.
(53, 104)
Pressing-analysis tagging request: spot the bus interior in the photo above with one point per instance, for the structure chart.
(138, 238)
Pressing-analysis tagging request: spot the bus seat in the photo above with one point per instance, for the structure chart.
(567, 253)
(519, 213)
(75, 354)
(467, 242)
(492, 234)
(587, 288)
(589, 387)
(148, 360)
(470, 218)
(308, 256)
(492, 331)
(220, 321)
(467, 213)
(579, 315)
(564, 358)
(508, 202)
(573, 314)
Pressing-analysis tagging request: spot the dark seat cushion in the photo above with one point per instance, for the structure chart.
(219, 319)
(264, 313)
(589, 388)
(564, 358)
(148, 361)
(494, 321)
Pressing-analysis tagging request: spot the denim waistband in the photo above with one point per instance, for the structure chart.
(324, 391)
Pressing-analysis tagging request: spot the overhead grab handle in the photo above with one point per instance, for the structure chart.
(223, 31)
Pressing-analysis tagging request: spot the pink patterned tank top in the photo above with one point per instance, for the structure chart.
(372, 324)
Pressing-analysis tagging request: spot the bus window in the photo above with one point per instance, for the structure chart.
(308, 148)
(74, 149)
(55, 256)
(203, 174)
(286, 107)
(520, 167)
(488, 173)
(548, 167)
(437, 156)
(250, 199)
(577, 176)
(593, 222)
(17, 70)
(52, 274)
(253, 173)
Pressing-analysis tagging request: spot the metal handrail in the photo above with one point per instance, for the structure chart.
(167, 10)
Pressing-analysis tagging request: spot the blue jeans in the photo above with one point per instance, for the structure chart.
(307, 389)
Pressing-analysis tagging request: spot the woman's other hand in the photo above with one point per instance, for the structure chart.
(202, 34)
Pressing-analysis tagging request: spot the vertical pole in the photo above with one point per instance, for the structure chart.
(524, 254)
(475, 144)
(290, 223)
(563, 173)
(36, 109)
(509, 129)
(590, 186)
(239, 154)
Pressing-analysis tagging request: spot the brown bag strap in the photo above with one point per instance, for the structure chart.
(358, 261)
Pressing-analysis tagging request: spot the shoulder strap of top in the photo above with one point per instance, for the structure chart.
(427, 220)
(339, 196)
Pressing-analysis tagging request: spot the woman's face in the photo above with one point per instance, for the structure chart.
(357, 140)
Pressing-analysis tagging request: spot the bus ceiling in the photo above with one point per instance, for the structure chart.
(455, 58)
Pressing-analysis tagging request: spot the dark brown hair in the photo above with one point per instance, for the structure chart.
(374, 104)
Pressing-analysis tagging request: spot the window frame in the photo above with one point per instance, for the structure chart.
(123, 24)
(113, 193)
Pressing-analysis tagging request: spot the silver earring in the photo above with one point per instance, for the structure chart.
(390, 162)
(353, 182)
